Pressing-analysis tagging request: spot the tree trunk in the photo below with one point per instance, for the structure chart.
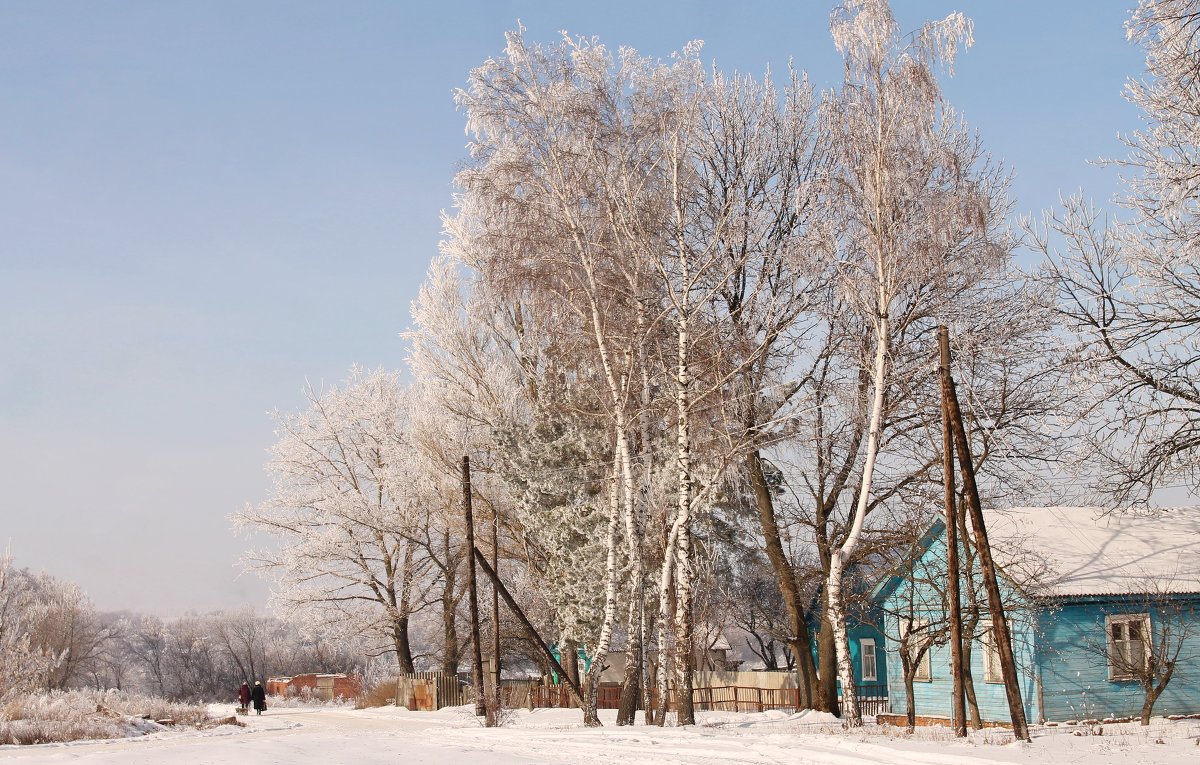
(827, 658)
(402, 645)
(970, 624)
(611, 573)
(1148, 706)
(800, 642)
(686, 714)
(910, 698)
(682, 550)
(631, 682)
(496, 699)
(570, 660)
(665, 620)
(845, 553)
(450, 654)
(958, 711)
(969, 687)
(841, 637)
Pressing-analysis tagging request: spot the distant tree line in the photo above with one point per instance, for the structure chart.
(53, 638)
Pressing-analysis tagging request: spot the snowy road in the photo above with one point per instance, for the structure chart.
(330, 736)
(326, 736)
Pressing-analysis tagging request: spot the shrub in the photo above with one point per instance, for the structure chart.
(382, 694)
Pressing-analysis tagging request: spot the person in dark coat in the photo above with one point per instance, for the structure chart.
(244, 696)
(259, 694)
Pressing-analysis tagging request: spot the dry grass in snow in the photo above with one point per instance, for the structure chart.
(61, 716)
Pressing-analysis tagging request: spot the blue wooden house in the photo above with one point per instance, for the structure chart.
(1095, 601)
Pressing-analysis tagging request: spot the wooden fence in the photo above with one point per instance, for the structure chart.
(429, 691)
(608, 696)
(873, 699)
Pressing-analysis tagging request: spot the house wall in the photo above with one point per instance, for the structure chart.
(858, 632)
(934, 697)
(925, 602)
(1074, 666)
(860, 625)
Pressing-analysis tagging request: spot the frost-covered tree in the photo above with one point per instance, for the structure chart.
(916, 206)
(656, 217)
(342, 514)
(24, 664)
(1128, 286)
(557, 217)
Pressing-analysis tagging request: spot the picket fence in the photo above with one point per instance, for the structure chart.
(429, 691)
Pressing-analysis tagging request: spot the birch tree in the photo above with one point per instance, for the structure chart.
(563, 173)
(915, 197)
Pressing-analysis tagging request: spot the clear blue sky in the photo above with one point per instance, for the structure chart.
(202, 204)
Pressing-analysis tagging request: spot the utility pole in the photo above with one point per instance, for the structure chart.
(958, 705)
(472, 593)
(1001, 635)
(496, 610)
(572, 686)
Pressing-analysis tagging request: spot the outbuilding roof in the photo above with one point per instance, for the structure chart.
(1076, 551)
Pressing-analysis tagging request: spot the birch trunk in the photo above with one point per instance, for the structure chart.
(844, 554)
(592, 684)
(631, 685)
(666, 579)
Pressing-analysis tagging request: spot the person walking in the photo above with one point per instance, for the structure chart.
(259, 694)
(244, 698)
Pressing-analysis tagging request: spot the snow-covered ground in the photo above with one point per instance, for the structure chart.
(329, 736)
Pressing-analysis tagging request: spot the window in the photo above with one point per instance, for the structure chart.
(866, 650)
(916, 643)
(1128, 645)
(991, 655)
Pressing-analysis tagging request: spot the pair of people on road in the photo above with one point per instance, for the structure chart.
(257, 694)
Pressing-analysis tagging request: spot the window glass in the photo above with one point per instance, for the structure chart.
(1128, 645)
(991, 655)
(866, 649)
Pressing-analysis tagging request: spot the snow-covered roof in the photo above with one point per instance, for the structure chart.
(1069, 551)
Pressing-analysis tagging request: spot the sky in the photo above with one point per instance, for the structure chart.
(203, 205)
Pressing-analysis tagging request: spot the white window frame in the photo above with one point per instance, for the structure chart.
(863, 645)
(1111, 644)
(924, 671)
(992, 672)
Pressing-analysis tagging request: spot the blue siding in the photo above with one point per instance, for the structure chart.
(933, 697)
(1074, 670)
(860, 626)
(870, 632)
(1060, 651)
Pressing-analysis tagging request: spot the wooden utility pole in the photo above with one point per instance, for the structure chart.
(496, 609)
(958, 702)
(1000, 631)
(530, 630)
(472, 594)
